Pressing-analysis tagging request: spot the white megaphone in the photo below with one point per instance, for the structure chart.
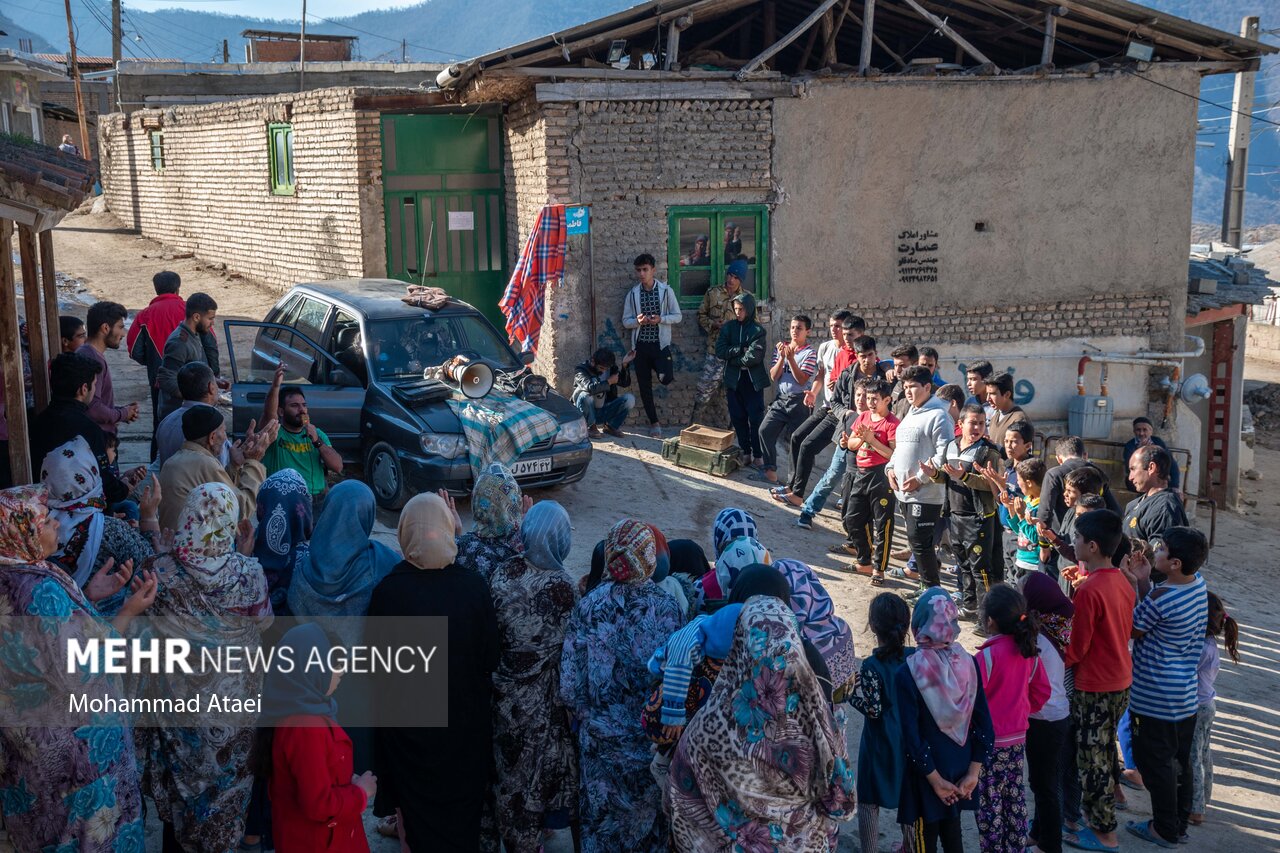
(474, 378)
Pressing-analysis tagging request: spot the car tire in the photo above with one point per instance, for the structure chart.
(385, 476)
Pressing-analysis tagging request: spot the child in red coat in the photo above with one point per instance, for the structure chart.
(316, 801)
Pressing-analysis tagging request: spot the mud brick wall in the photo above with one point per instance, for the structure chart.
(213, 196)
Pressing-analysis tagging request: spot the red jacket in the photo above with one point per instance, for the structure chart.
(314, 806)
(1100, 629)
(165, 313)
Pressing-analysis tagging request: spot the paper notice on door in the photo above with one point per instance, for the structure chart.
(462, 220)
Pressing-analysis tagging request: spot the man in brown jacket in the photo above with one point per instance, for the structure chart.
(197, 463)
(715, 311)
(1007, 413)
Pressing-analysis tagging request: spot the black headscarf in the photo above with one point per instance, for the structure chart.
(597, 568)
(759, 579)
(688, 558)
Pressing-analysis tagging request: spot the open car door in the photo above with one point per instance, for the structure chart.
(335, 396)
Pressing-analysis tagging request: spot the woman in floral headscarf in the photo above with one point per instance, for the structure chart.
(946, 727)
(284, 529)
(68, 781)
(87, 535)
(537, 765)
(762, 761)
(213, 595)
(496, 509)
(604, 681)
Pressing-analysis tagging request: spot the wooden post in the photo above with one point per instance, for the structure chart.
(1050, 34)
(1242, 97)
(75, 78)
(770, 21)
(31, 299)
(946, 30)
(868, 32)
(49, 299)
(777, 46)
(829, 53)
(15, 395)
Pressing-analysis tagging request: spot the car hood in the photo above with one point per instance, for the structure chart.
(439, 418)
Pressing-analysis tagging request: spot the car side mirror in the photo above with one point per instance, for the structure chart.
(527, 358)
(342, 377)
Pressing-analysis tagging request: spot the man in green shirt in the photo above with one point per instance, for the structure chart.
(300, 445)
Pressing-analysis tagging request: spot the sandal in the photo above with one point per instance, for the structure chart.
(1146, 833)
(1086, 840)
(903, 574)
(387, 827)
(877, 578)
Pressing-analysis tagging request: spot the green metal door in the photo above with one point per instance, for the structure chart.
(442, 179)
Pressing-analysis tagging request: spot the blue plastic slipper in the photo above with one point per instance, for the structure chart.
(1086, 840)
(1144, 831)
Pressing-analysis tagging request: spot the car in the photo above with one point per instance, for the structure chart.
(356, 348)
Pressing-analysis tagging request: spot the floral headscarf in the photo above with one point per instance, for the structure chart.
(284, 525)
(70, 473)
(762, 759)
(23, 514)
(495, 502)
(206, 534)
(1051, 606)
(631, 551)
(546, 535)
(731, 523)
(942, 670)
(821, 626)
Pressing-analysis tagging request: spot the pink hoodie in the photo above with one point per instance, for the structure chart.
(1016, 687)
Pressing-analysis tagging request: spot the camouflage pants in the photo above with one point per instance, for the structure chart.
(1096, 716)
(709, 407)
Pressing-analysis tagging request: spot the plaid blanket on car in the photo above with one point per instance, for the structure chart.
(499, 427)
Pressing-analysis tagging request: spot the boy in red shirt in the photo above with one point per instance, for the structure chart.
(1099, 652)
(869, 502)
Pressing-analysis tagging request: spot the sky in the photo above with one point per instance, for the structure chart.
(282, 9)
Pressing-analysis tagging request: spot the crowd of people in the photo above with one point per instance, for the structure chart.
(674, 698)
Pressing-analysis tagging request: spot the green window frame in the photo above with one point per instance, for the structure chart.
(280, 158)
(704, 268)
(157, 150)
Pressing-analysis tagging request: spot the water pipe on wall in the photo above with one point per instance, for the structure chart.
(1146, 358)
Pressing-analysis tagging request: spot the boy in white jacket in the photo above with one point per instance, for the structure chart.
(649, 311)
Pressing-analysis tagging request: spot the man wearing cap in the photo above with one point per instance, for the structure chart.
(716, 310)
(650, 310)
(1143, 435)
(198, 463)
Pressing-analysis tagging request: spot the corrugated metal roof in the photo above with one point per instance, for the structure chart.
(1239, 283)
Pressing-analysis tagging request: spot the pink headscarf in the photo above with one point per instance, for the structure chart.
(943, 671)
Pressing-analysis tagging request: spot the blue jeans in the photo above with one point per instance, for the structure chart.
(833, 477)
(612, 414)
(1124, 734)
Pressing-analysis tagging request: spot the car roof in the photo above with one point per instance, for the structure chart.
(376, 298)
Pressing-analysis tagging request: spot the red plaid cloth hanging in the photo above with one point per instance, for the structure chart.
(542, 261)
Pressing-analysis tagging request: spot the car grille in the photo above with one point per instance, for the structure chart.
(545, 444)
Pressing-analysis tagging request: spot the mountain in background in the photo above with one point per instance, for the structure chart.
(448, 30)
(14, 32)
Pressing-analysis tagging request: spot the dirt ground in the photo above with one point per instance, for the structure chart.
(1245, 813)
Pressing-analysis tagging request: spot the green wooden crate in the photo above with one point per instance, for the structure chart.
(719, 463)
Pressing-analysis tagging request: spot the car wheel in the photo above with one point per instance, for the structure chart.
(385, 476)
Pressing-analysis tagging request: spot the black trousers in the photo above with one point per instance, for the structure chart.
(868, 515)
(1162, 750)
(650, 359)
(948, 832)
(921, 520)
(783, 417)
(975, 544)
(807, 442)
(1045, 741)
(746, 411)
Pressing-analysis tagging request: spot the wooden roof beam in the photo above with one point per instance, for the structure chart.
(946, 30)
(778, 46)
(1146, 31)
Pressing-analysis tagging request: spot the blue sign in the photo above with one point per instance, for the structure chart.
(577, 220)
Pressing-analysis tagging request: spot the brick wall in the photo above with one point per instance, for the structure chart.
(214, 198)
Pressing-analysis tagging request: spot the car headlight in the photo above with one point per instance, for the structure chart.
(572, 433)
(446, 446)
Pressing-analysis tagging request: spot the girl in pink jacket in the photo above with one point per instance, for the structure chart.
(1016, 687)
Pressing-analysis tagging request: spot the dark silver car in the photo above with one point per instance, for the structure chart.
(351, 345)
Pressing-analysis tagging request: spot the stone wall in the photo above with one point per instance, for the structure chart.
(213, 196)
(1263, 341)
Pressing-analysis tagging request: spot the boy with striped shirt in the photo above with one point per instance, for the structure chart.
(1168, 633)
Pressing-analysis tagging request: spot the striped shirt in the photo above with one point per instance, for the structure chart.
(1165, 660)
(807, 361)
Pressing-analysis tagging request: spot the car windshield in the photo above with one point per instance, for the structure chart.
(404, 347)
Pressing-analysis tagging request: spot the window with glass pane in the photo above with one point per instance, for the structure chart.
(157, 150)
(280, 155)
(703, 241)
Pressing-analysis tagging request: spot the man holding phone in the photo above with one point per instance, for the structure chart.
(650, 310)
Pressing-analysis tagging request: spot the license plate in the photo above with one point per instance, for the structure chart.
(531, 466)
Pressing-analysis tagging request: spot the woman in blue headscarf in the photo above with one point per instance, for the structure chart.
(284, 528)
(534, 753)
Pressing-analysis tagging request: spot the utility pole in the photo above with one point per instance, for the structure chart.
(116, 54)
(226, 52)
(302, 50)
(1238, 146)
(75, 77)
(404, 50)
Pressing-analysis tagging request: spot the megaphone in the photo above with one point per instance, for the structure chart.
(474, 378)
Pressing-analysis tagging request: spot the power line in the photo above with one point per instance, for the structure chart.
(389, 38)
